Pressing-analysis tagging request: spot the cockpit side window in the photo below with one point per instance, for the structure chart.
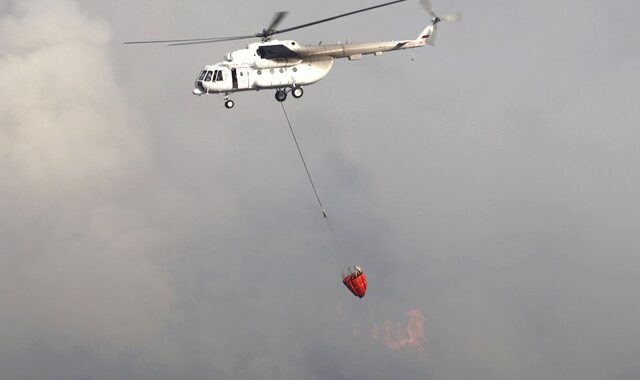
(218, 76)
(202, 75)
(208, 77)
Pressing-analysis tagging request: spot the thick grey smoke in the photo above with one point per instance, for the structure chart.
(75, 266)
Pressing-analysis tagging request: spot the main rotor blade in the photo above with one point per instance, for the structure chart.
(277, 19)
(335, 17)
(209, 39)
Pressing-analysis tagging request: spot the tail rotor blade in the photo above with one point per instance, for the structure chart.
(428, 6)
(453, 17)
(435, 19)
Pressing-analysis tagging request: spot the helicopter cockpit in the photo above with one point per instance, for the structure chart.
(211, 75)
(211, 79)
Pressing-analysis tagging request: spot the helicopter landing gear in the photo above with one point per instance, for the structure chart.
(297, 92)
(228, 103)
(281, 95)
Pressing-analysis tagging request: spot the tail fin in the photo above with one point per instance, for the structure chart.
(426, 34)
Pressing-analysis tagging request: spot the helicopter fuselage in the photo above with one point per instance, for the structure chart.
(245, 69)
(285, 64)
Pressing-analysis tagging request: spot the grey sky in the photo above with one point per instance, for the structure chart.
(492, 184)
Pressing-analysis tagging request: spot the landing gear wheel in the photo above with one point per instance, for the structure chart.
(297, 92)
(281, 95)
(229, 103)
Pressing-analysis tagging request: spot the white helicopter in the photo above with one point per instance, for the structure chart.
(286, 66)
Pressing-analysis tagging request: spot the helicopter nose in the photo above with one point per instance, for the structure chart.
(199, 89)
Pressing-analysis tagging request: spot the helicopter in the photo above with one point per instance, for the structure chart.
(285, 65)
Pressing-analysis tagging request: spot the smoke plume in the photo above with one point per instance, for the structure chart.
(74, 249)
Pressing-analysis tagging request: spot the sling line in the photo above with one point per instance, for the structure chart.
(304, 163)
(313, 186)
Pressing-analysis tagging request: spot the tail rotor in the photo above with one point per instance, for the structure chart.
(435, 19)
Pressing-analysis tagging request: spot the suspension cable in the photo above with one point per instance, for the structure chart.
(315, 191)
(304, 163)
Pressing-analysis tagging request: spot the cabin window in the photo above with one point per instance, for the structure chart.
(259, 72)
(295, 69)
(208, 77)
(202, 74)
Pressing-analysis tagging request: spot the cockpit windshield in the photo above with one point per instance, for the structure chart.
(208, 76)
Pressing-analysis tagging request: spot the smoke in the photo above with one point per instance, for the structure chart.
(62, 116)
(75, 249)
(398, 335)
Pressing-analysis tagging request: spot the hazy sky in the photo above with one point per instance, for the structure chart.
(489, 190)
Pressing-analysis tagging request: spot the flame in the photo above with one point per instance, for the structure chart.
(397, 335)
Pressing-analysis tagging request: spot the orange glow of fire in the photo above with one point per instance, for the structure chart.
(397, 335)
